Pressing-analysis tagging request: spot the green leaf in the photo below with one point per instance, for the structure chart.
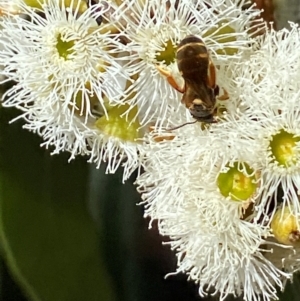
(48, 238)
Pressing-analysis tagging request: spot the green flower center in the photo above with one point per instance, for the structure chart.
(168, 54)
(64, 48)
(283, 148)
(91, 101)
(237, 184)
(223, 33)
(126, 128)
(81, 4)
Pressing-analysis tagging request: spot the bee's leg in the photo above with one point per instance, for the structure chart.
(170, 79)
(225, 96)
(158, 137)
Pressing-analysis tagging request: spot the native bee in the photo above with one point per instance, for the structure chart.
(196, 68)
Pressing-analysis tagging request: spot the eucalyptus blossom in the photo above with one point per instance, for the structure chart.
(226, 193)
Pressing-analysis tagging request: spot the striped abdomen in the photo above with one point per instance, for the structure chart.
(192, 59)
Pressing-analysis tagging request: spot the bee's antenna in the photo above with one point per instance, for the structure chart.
(180, 126)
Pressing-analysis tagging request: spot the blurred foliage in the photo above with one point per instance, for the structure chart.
(292, 290)
(48, 239)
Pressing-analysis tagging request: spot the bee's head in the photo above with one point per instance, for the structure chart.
(201, 112)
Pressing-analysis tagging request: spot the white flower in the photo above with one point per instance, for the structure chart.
(68, 73)
(62, 50)
(217, 190)
(113, 140)
(217, 243)
(6, 7)
(268, 87)
(154, 29)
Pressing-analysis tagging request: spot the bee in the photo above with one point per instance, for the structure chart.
(196, 68)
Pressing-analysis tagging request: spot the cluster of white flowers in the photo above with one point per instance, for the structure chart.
(227, 194)
(93, 79)
(86, 75)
